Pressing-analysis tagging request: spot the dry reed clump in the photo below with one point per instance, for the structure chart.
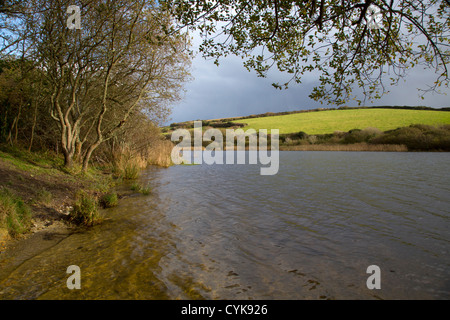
(347, 147)
(160, 153)
(127, 161)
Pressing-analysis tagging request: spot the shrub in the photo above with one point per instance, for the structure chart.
(417, 137)
(300, 135)
(15, 215)
(288, 140)
(358, 135)
(312, 139)
(339, 134)
(406, 136)
(109, 200)
(85, 210)
(422, 127)
(136, 187)
(127, 165)
(131, 171)
(221, 124)
(371, 132)
(146, 190)
(139, 188)
(333, 140)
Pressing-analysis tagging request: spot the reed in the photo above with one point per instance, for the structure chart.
(127, 163)
(159, 153)
(85, 210)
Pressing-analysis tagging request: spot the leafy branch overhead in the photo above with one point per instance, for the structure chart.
(333, 39)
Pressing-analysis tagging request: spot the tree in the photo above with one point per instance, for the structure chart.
(121, 61)
(348, 43)
(21, 94)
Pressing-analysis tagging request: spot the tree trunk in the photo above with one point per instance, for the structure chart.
(88, 155)
(78, 148)
(68, 146)
(10, 132)
(68, 158)
(17, 123)
(34, 124)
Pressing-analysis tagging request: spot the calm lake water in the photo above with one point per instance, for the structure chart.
(226, 232)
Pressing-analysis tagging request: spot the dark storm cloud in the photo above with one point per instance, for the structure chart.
(230, 90)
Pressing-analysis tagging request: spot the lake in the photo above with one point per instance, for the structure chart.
(227, 232)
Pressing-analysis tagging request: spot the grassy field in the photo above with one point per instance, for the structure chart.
(344, 120)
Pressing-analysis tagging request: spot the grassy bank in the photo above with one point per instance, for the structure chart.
(417, 137)
(345, 129)
(329, 121)
(37, 192)
(324, 121)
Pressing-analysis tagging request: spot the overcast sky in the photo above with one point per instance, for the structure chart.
(230, 90)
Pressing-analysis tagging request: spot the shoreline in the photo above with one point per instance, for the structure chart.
(46, 190)
(416, 137)
(348, 147)
(355, 147)
(50, 219)
(49, 192)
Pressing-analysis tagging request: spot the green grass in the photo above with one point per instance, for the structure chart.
(136, 187)
(39, 163)
(43, 196)
(329, 121)
(85, 211)
(131, 172)
(40, 180)
(109, 200)
(15, 215)
(145, 190)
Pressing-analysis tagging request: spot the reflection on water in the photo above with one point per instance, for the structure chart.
(226, 232)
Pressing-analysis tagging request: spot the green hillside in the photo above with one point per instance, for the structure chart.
(329, 121)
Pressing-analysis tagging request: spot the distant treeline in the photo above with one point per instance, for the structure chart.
(225, 123)
(417, 137)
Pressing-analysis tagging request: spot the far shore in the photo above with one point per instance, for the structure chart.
(328, 147)
(347, 147)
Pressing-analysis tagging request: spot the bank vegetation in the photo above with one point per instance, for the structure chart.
(416, 137)
(81, 104)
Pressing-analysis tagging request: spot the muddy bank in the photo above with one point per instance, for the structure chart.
(47, 191)
(18, 250)
(50, 213)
